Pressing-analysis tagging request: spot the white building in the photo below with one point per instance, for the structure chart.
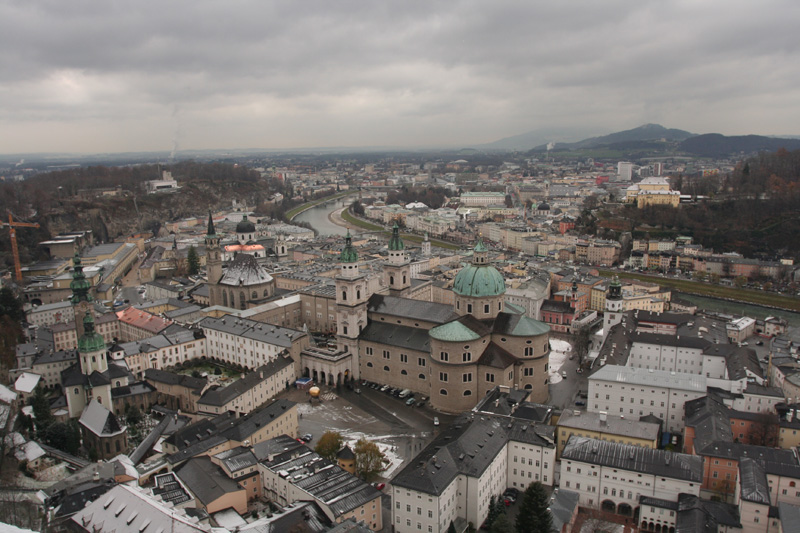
(249, 343)
(454, 478)
(49, 314)
(624, 171)
(632, 392)
(614, 476)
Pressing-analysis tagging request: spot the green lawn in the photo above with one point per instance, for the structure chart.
(769, 299)
(308, 205)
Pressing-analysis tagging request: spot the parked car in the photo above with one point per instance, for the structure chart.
(308, 437)
(564, 374)
(384, 388)
(358, 391)
(421, 404)
(410, 402)
(379, 486)
(580, 403)
(435, 420)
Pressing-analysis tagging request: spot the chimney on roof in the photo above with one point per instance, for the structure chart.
(603, 416)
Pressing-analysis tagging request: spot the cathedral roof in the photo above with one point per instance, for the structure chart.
(479, 281)
(245, 226)
(244, 271)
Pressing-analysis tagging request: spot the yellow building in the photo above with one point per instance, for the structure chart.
(604, 427)
(652, 191)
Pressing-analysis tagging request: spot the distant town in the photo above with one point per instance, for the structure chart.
(451, 342)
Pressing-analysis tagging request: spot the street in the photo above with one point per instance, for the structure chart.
(564, 393)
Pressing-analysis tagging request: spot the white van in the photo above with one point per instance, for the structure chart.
(404, 393)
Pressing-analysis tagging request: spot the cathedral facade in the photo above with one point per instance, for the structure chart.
(452, 354)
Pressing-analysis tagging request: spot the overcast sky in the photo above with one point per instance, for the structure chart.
(97, 76)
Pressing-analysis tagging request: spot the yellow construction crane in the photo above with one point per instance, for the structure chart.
(11, 225)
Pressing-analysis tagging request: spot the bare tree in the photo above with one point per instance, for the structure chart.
(763, 430)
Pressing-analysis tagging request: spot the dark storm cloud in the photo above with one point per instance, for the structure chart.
(357, 72)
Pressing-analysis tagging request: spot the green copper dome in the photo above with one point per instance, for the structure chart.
(349, 254)
(90, 341)
(395, 242)
(479, 281)
(80, 285)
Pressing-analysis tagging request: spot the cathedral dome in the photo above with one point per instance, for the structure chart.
(479, 281)
(245, 226)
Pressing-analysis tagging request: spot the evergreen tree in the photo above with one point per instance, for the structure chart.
(193, 261)
(534, 517)
(452, 528)
(41, 409)
(502, 525)
(491, 516)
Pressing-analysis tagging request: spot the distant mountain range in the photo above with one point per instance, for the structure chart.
(653, 138)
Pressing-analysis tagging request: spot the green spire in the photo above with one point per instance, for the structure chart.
(80, 285)
(395, 242)
(91, 341)
(479, 246)
(349, 254)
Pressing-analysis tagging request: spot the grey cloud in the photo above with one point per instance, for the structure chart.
(502, 66)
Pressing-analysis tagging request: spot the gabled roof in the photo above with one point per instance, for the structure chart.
(408, 308)
(100, 421)
(394, 335)
(207, 481)
(495, 356)
(463, 329)
(634, 458)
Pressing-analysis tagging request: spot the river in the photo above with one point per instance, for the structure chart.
(317, 216)
(739, 308)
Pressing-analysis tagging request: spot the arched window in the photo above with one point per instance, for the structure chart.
(467, 393)
(404, 279)
(369, 365)
(254, 296)
(224, 299)
(386, 368)
(403, 372)
(344, 295)
(266, 293)
(94, 359)
(76, 391)
(242, 299)
(117, 383)
(421, 376)
(443, 392)
(358, 295)
(391, 280)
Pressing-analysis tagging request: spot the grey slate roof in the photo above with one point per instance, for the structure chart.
(413, 309)
(394, 335)
(244, 271)
(753, 482)
(100, 420)
(634, 458)
(206, 480)
(467, 447)
(171, 378)
(223, 395)
(251, 329)
(790, 516)
(332, 486)
(681, 341)
(563, 503)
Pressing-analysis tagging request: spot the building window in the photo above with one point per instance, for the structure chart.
(386, 368)
(466, 378)
(443, 392)
(486, 308)
(421, 376)
(490, 377)
(467, 393)
(444, 356)
(369, 365)
(467, 357)
(443, 376)
(421, 361)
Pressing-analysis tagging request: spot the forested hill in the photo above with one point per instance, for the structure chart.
(753, 210)
(62, 201)
(716, 145)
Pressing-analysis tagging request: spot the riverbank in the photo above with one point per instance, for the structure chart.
(721, 292)
(308, 205)
(342, 217)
